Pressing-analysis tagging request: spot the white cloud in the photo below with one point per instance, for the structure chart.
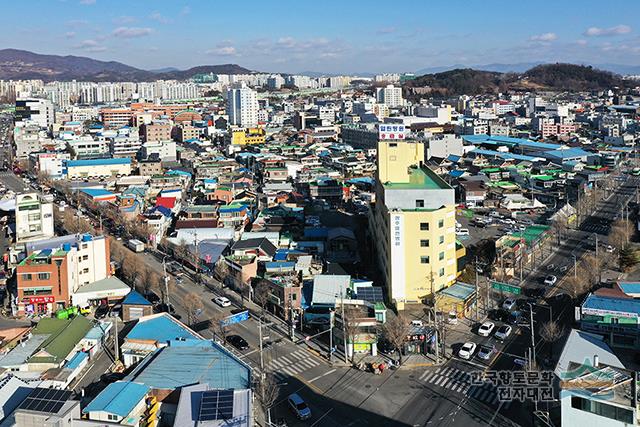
(87, 2)
(544, 37)
(223, 50)
(581, 42)
(124, 19)
(611, 31)
(90, 45)
(157, 16)
(70, 34)
(131, 32)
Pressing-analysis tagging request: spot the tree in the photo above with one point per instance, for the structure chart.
(628, 258)
(576, 286)
(592, 267)
(395, 330)
(351, 327)
(130, 268)
(181, 251)
(144, 280)
(217, 326)
(261, 295)
(193, 306)
(267, 392)
(620, 234)
(551, 332)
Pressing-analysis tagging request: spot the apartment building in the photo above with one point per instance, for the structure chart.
(114, 118)
(34, 218)
(242, 105)
(155, 132)
(247, 136)
(412, 224)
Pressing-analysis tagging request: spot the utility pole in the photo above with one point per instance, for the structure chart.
(533, 338)
(477, 294)
(331, 317)
(166, 282)
(344, 328)
(115, 339)
(260, 345)
(293, 322)
(575, 266)
(195, 241)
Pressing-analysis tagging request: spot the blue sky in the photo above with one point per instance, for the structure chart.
(327, 35)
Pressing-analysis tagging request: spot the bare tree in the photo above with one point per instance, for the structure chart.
(193, 306)
(217, 326)
(181, 251)
(577, 285)
(551, 332)
(261, 295)
(130, 268)
(395, 330)
(144, 280)
(620, 234)
(351, 326)
(592, 268)
(267, 391)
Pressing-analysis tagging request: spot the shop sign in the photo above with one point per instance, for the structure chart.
(39, 300)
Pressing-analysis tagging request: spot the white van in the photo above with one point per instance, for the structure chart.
(462, 232)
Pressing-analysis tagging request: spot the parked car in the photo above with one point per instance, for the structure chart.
(299, 406)
(609, 249)
(516, 318)
(462, 232)
(509, 304)
(101, 312)
(503, 332)
(485, 329)
(385, 347)
(550, 280)
(416, 323)
(222, 301)
(499, 314)
(238, 342)
(486, 352)
(467, 350)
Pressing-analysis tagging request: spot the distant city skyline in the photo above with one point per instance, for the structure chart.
(330, 37)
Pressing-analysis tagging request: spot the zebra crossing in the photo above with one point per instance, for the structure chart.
(293, 364)
(595, 228)
(460, 382)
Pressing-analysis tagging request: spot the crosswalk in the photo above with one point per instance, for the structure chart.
(460, 382)
(595, 228)
(293, 364)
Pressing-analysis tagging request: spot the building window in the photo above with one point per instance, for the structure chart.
(441, 256)
(26, 276)
(44, 276)
(424, 260)
(419, 203)
(424, 226)
(424, 243)
(85, 270)
(112, 417)
(441, 223)
(441, 272)
(441, 239)
(85, 257)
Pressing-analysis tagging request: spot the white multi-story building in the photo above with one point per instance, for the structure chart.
(166, 150)
(34, 218)
(50, 164)
(242, 106)
(29, 138)
(390, 95)
(87, 146)
(275, 82)
(38, 111)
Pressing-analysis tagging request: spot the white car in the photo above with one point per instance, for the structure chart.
(509, 304)
(467, 350)
(550, 280)
(486, 328)
(503, 332)
(416, 323)
(222, 301)
(609, 249)
(462, 232)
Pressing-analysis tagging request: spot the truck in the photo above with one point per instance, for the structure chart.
(135, 245)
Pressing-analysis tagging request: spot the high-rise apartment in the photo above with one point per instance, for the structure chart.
(242, 105)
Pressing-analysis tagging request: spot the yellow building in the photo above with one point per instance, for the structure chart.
(412, 224)
(247, 136)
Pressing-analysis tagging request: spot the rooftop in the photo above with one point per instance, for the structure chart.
(420, 178)
(63, 335)
(118, 398)
(161, 327)
(612, 305)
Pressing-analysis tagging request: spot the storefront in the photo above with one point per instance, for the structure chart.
(38, 305)
(419, 341)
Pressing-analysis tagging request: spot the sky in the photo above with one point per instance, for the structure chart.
(330, 36)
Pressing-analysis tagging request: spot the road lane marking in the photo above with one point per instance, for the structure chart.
(324, 415)
(322, 375)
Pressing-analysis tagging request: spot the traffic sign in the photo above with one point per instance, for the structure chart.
(235, 318)
(506, 287)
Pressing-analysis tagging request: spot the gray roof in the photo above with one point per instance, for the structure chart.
(109, 284)
(12, 392)
(263, 243)
(582, 345)
(19, 355)
(327, 288)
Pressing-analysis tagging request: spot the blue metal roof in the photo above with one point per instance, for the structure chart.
(119, 398)
(189, 362)
(279, 264)
(161, 328)
(316, 232)
(620, 305)
(501, 155)
(457, 173)
(76, 360)
(135, 298)
(97, 192)
(178, 172)
(506, 140)
(96, 162)
(630, 287)
(566, 153)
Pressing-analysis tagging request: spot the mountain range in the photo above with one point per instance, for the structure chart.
(521, 67)
(21, 64)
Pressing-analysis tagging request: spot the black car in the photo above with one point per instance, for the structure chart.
(535, 292)
(111, 377)
(523, 303)
(238, 342)
(101, 312)
(385, 347)
(499, 314)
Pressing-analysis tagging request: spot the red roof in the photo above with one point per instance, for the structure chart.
(167, 202)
